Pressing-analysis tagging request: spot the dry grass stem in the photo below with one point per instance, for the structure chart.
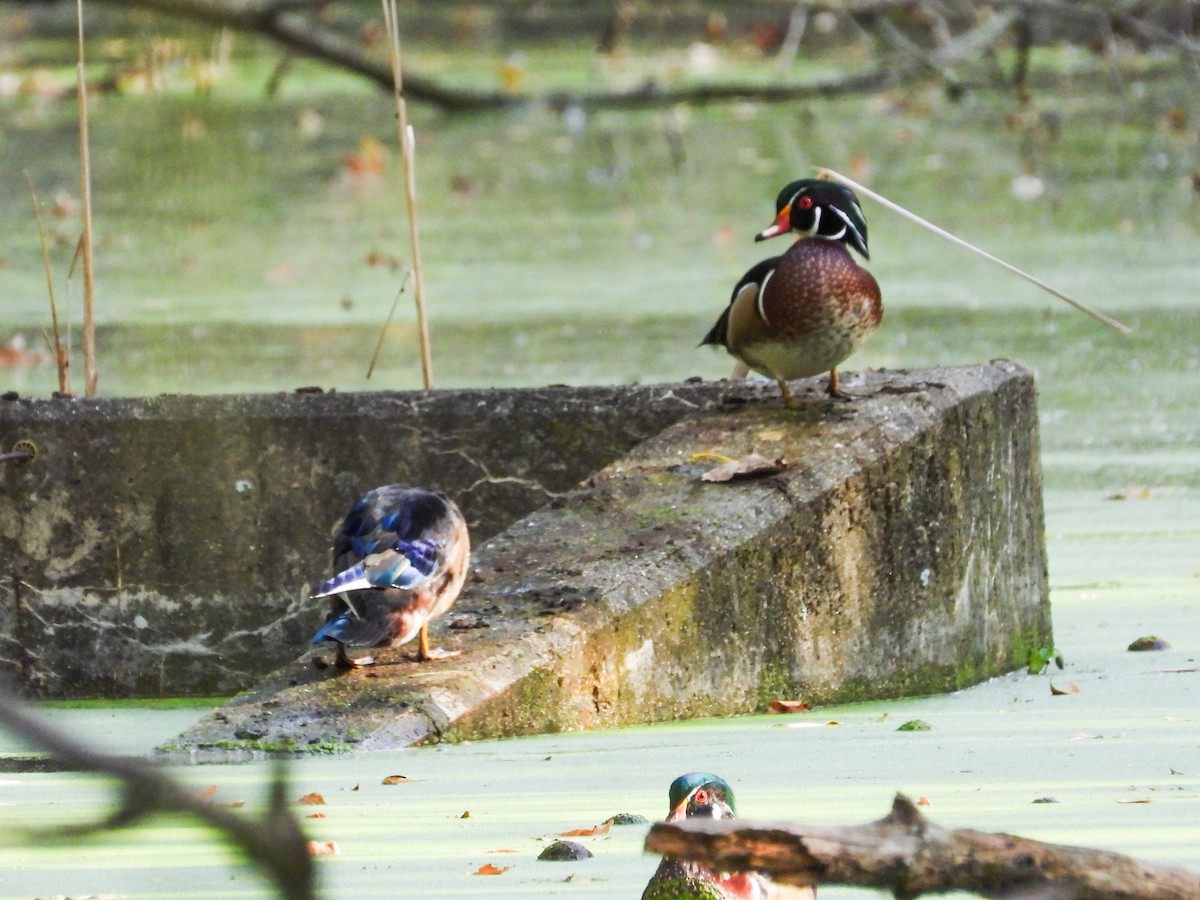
(62, 358)
(387, 323)
(954, 239)
(408, 157)
(90, 374)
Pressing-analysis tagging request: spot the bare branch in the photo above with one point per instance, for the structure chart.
(274, 843)
(909, 855)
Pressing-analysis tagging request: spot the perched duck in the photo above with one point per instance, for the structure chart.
(401, 558)
(803, 313)
(706, 796)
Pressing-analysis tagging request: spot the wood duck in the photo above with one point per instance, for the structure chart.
(803, 313)
(702, 795)
(401, 559)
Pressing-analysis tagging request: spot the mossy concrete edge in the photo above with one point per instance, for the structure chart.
(900, 551)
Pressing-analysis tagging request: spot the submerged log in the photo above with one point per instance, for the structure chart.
(908, 855)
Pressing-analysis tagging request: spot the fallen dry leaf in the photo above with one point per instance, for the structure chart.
(489, 869)
(368, 162)
(207, 793)
(504, 851)
(586, 832)
(1069, 688)
(1137, 800)
(1131, 493)
(313, 799)
(787, 706)
(466, 814)
(397, 779)
(923, 801)
(315, 816)
(752, 465)
(323, 848)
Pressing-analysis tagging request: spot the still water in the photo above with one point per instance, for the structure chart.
(251, 245)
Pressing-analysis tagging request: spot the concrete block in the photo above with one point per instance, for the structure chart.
(900, 551)
(166, 546)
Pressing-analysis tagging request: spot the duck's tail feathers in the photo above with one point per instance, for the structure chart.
(353, 579)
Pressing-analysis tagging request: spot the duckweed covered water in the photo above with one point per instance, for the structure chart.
(238, 253)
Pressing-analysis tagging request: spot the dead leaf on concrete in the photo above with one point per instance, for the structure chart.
(1069, 688)
(1136, 800)
(313, 799)
(752, 465)
(323, 848)
(397, 779)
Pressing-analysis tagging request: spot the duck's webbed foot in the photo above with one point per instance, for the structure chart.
(834, 390)
(425, 653)
(345, 661)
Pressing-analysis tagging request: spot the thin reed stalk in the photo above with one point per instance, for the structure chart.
(62, 358)
(90, 373)
(408, 157)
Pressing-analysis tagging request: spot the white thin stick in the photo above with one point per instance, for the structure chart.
(407, 155)
(941, 232)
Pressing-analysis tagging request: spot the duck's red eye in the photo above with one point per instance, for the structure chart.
(700, 797)
(805, 202)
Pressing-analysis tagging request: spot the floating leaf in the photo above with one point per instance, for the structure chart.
(752, 465)
(398, 779)
(322, 848)
(489, 869)
(787, 706)
(1131, 493)
(313, 799)
(1041, 658)
(1069, 688)
(586, 832)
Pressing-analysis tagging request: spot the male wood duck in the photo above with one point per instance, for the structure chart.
(803, 313)
(401, 558)
(702, 795)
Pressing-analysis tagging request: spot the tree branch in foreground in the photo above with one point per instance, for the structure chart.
(909, 855)
(274, 843)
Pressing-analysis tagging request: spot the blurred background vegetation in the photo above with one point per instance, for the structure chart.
(590, 176)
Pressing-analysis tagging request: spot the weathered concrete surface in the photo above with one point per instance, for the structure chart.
(167, 545)
(900, 552)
